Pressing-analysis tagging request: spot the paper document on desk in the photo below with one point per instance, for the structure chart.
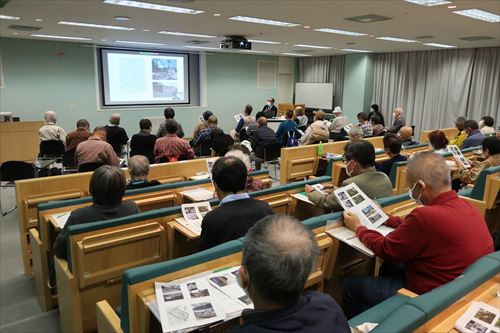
(199, 194)
(187, 305)
(302, 197)
(353, 200)
(61, 219)
(479, 317)
(210, 165)
(193, 215)
(226, 282)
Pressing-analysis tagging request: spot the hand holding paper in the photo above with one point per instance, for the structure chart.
(351, 221)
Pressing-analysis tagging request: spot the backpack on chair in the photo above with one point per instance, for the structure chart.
(292, 140)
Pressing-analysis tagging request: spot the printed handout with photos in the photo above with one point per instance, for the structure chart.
(198, 194)
(227, 282)
(238, 117)
(352, 199)
(193, 215)
(479, 318)
(186, 305)
(457, 154)
(210, 165)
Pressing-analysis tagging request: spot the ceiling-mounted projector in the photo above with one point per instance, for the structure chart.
(235, 42)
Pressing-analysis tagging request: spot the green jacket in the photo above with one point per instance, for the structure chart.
(375, 184)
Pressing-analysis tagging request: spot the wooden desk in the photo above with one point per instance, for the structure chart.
(19, 141)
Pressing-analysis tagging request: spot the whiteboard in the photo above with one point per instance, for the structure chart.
(314, 95)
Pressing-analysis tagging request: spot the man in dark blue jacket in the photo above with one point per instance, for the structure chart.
(262, 136)
(474, 136)
(279, 254)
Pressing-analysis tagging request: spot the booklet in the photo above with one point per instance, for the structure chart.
(187, 305)
(193, 215)
(353, 200)
(238, 117)
(457, 154)
(210, 165)
(198, 194)
(479, 318)
(226, 281)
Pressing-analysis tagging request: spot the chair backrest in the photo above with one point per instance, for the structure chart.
(68, 159)
(52, 148)
(87, 167)
(480, 185)
(272, 151)
(16, 170)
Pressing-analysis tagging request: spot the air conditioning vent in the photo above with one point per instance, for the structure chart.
(475, 38)
(370, 18)
(424, 37)
(197, 42)
(24, 27)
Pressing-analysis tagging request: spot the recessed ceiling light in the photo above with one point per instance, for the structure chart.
(138, 43)
(39, 20)
(255, 51)
(479, 14)
(92, 25)
(8, 17)
(216, 14)
(258, 41)
(354, 50)
(121, 18)
(340, 32)
(145, 30)
(429, 3)
(440, 45)
(60, 37)
(201, 47)
(395, 39)
(187, 34)
(295, 54)
(263, 21)
(145, 5)
(313, 46)
(452, 7)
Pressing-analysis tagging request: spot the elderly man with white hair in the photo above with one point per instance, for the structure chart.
(337, 125)
(399, 121)
(50, 131)
(279, 254)
(433, 244)
(116, 135)
(138, 168)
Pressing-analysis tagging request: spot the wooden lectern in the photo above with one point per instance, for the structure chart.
(19, 141)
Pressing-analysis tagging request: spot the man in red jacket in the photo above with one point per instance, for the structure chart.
(434, 243)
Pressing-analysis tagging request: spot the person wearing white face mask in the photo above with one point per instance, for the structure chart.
(399, 121)
(435, 243)
(279, 254)
(269, 110)
(360, 167)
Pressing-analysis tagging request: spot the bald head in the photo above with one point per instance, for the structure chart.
(279, 254)
(49, 117)
(431, 168)
(115, 119)
(299, 111)
(405, 133)
(398, 111)
(262, 121)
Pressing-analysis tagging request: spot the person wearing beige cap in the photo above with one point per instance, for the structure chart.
(317, 131)
(337, 125)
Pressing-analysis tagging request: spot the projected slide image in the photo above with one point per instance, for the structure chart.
(164, 69)
(165, 90)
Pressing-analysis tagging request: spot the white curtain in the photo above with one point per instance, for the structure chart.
(324, 70)
(484, 97)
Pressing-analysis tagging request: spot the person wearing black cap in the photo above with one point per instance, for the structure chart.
(203, 123)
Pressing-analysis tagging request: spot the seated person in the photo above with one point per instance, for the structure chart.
(377, 127)
(201, 143)
(355, 133)
(375, 111)
(438, 141)
(337, 132)
(286, 128)
(491, 156)
(360, 167)
(269, 110)
(244, 122)
(474, 136)
(279, 254)
(50, 131)
(365, 125)
(138, 168)
(171, 147)
(300, 118)
(392, 147)
(459, 139)
(317, 131)
(486, 126)
(81, 134)
(169, 113)
(107, 187)
(242, 152)
(116, 135)
(96, 150)
(202, 123)
(406, 134)
(143, 143)
(237, 211)
(262, 137)
(434, 243)
(399, 121)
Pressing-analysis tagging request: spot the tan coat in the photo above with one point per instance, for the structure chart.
(469, 176)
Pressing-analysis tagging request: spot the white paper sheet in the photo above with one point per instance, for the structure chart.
(199, 194)
(61, 218)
